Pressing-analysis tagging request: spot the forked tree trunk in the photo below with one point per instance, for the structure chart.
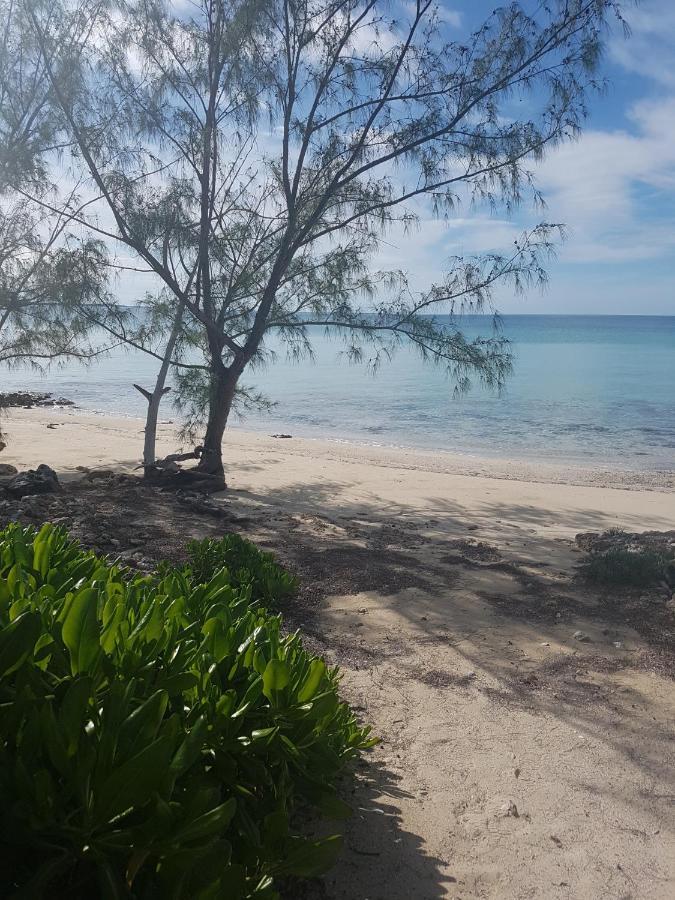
(154, 399)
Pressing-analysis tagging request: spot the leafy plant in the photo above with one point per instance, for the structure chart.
(624, 567)
(247, 566)
(157, 733)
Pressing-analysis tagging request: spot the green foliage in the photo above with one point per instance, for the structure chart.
(158, 732)
(247, 566)
(623, 567)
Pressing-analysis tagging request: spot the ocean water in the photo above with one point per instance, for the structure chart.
(594, 390)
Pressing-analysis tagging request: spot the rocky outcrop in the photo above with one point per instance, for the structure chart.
(42, 480)
(29, 399)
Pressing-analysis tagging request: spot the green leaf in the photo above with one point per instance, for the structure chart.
(133, 783)
(208, 824)
(17, 641)
(80, 631)
(317, 669)
(309, 859)
(275, 677)
(260, 734)
(142, 725)
(42, 550)
(110, 882)
(179, 684)
(74, 706)
(191, 748)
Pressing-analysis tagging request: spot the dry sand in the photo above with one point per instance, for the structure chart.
(517, 761)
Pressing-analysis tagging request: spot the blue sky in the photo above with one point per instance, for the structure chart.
(614, 188)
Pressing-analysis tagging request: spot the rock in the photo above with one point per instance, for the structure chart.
(42, 480)
(282, 435)
(6, 469)
(509, 810)
(581, 636)
(28, 399)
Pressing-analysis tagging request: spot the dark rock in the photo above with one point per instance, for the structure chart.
(282, 435)
(6, 469)
(670, 574)
(29, 399)
(42, 480)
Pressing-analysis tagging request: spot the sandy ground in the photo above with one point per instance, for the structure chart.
(516, 761)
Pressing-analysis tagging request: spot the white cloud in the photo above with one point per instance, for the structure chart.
(650, 51)
(615, 189)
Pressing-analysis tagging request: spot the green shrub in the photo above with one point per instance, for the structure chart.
(622, 567)
(247, 566)
(157, 733)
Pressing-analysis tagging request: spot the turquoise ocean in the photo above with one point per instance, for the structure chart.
(588, 390)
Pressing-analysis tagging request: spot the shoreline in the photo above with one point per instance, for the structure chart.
(116, 441)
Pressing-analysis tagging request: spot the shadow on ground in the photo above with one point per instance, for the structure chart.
(367, 864)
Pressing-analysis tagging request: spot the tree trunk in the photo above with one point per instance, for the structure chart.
(223, 384)
(154, 398)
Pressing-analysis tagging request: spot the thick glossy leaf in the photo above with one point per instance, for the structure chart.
(80, 631)
(213, 822)
(275, 677)
(141, 727)
(74, 709)
(190, 750)
(317, 669)
(133, 783)
(17, 641)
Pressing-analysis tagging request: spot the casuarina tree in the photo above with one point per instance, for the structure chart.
(253, 155)
(48, 274)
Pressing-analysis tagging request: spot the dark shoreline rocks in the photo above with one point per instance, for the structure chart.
(31, 399)
(42, 480)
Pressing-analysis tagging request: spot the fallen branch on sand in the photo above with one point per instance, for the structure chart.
(168, 473)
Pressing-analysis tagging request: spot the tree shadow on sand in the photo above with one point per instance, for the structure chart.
(381, 859)
(384, 550)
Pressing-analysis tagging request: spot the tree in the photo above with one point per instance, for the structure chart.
(253, 155)
(47, 275)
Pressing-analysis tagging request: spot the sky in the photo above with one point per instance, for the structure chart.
(614, 188)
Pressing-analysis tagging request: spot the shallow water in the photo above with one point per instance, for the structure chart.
(598, 390)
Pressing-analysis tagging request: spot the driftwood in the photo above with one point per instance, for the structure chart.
(184, 479)
(170, 463)
(167, 473)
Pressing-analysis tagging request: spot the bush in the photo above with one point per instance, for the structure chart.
(157, 733)
(622, 567)
(247, 566)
